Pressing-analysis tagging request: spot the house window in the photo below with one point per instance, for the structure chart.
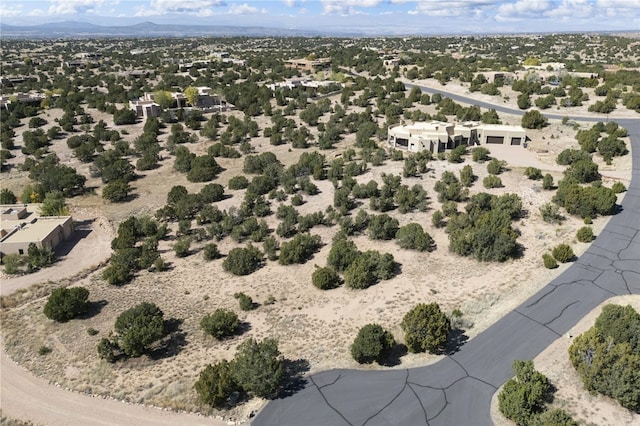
(516, 141)
(20, 252)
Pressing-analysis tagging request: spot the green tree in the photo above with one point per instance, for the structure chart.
(563, 253)
(342, 254)
(192, 95)
(413, 237)
(216, 384)
(243, 261)
(523, 397)
(54, 205)
(163, 98)
(220, 324)
(368, 268)
(67, 303)
(426, 328)
(299, 249)
(372, 343)
(258, 367)
(325, 278)
(585, 234)
(534, 120)
(7, 196)
(116, 191)
(139, 327)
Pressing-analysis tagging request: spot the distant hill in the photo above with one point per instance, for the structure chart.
(144, 29)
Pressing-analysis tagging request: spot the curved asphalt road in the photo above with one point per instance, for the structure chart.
(458, 389)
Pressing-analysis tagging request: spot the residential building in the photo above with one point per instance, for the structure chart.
(437, 136)
(307, 64)
(21, 225)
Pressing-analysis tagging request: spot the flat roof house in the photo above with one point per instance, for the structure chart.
(21, 225)
(437, 136)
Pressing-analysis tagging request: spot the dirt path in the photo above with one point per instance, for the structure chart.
(26, 397)
(90, 246)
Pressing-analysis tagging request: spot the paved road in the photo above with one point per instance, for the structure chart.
(458, 389)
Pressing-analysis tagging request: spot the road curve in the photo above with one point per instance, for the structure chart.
(458, 389)
(26, 397)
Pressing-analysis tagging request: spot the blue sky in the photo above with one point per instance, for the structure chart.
(387, 16)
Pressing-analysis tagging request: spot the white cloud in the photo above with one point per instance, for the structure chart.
(293, 3)
(523, 9)
(622, 4)
(71, 7)
(193, 7)
(244, 9)
(10, 11)
(572, 8)
(346, 7)
(453, 7)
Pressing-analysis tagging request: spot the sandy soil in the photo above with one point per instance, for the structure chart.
(570, 396)
(310, 324)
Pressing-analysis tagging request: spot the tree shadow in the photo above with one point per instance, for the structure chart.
(393, 356)
(457, 338)
(293, 379)
(244, 327)
(94, 309)
(169, 347)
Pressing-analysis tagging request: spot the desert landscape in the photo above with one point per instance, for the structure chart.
(310, 325)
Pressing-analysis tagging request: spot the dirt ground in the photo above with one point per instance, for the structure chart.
(309, 324)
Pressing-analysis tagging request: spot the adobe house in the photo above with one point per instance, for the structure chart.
(437, 136)
(21, 225)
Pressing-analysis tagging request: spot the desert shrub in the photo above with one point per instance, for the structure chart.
(92, 331)
(413, 237)
(137, 328)
(238, 182)
(7, 196)
(368, 268)
(607, 356)
(270, 246)
(547, 181)
(211, 252)
(426, 328)
(618, 187)
(66, 303)
(258, 367)
(449, 188)
(243, 261)
(372, 343)
(342, 254)
(220, 324)
(549, 261)
(299, 249)
(437, 219)
(182, 246)
(382, 227)
(495, 166)
(116, 191)
(523, 397)
(570, 156)
(533, 173)
(297, 200)
(325, 278)
(211, 193)
(216, 384)
(466, 176)
(563, 253)
(534, 120)
(480, 154)
(245, 302)
(585, 234)
(551, 213)
(492, 181)
(554, 417)
(44, 350)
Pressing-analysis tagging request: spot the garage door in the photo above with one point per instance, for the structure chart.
(495, 139)
(516, 141)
